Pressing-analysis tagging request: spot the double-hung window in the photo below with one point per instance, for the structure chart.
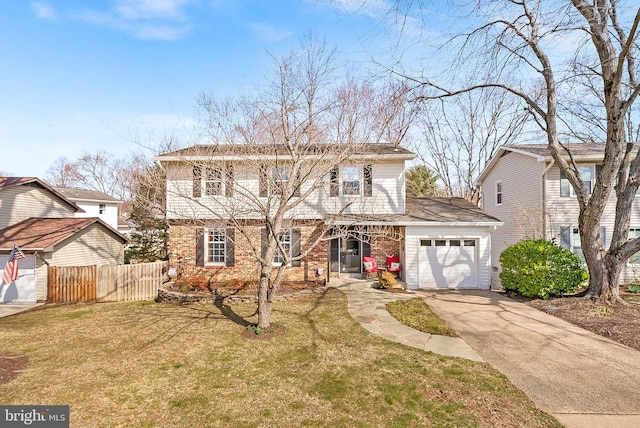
(499, 192)
(102, 208)
(213, 182)
(351, 180)
(285, 246)
(588, 174)
(570, 239)
(216, 246)
(280, 177)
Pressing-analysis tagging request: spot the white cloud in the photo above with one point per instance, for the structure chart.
(145, 19)
(268, 33)
(43, 10)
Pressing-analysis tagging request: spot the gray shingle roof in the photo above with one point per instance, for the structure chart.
(85, 194)
(281, 149)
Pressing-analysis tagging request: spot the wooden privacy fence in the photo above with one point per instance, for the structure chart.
(108, 283)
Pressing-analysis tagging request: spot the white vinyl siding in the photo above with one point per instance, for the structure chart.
(521, 208)
(387, 195)
(22, 202)
(92, 209)
(91, 246)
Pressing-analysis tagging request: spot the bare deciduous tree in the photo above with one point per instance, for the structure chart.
(573, 64)
(462, 134)
(274, 157)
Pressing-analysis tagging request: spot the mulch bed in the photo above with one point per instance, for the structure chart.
(618, 322)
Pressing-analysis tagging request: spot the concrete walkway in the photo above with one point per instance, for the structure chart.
(367, 306)
(7, 309)
(582, 379)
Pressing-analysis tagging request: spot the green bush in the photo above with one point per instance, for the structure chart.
(540, 268)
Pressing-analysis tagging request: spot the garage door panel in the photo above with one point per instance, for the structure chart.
(446, 265)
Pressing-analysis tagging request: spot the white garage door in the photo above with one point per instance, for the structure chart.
(447, 263)
(23, 289)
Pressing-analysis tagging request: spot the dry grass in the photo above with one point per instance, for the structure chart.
(158, 365)
(416, 314)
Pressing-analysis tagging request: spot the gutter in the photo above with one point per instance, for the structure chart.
(544, 197)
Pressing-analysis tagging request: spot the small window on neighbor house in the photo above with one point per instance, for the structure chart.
(426, 243)
(441, 243)
(587, 172)
(634, 232)
(102, 208)
(499, 192)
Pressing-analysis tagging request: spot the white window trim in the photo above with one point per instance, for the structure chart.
(205, 180)
(572, 192)
(208, 249)
(501, 193)
(277, 262)
(360, 180)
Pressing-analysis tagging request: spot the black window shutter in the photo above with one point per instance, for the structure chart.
(262, 184)
(263, 241)
(295, 246)
(368, 180)
(200, 246)
(230, 254)
(197, 182)
(334, 254)
(334, 187)
(229, 184)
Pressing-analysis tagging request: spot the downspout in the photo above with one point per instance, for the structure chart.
(544, 198)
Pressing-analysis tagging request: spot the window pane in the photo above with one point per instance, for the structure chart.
(285, 243)
(454, 243)
(351, 180)
(469, 242)
(425, 243)
(441, 243)
(216, 246)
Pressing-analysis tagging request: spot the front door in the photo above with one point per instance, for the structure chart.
(350, 258)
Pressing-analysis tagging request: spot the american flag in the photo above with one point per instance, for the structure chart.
(10, 272)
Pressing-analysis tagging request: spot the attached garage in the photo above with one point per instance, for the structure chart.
(447, 244)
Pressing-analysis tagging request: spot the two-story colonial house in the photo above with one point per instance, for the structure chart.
(524, 187)
(441, 242)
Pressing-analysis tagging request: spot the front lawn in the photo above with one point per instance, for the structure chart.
(158, 365)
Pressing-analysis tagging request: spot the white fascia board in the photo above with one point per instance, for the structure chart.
(418, 223)
(259, 157)
(101, 201)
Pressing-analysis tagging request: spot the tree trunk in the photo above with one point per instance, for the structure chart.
(604, 279)
(264, 303)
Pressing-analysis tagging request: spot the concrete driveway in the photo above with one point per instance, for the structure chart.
(583, 379)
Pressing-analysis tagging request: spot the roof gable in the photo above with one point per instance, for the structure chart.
(9, 182)
(42, 234)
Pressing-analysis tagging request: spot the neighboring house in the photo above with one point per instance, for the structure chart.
(442, 242)
(93, 204)
(41, 221)
(524, 187)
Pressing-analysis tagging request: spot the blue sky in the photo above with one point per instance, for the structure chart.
(81, 76)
